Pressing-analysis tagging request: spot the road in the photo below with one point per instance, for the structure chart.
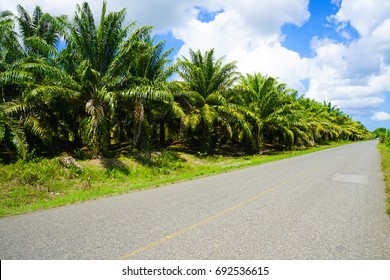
(325, 205)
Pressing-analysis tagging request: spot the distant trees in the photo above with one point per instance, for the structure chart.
(279, 116)
(383, 135)
(110, 84)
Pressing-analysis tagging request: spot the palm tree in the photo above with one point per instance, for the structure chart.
(40, 32)
(10, 49)
(44, 106)
(280, 119)
(321, 122)
(150, 95)
(205, 99)
(111, 83)
(39, 37)
(88, 54)
(99, 67)
(12, 134)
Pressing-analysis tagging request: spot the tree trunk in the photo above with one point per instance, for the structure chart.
(162, 134)
(139, 119)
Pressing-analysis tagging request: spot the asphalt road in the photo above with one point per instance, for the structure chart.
(325, 205)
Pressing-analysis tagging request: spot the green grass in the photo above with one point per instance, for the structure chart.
(44, 183)
(385, 152)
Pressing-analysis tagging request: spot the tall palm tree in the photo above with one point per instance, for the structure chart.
(88, 54)
(10, 48)
(40, 32)
(78, 93)
(18, 53)
(207, 106)
(150, 95)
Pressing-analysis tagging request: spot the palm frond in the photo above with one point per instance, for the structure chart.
(192, 120)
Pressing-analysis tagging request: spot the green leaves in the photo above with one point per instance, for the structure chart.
(111, 84)
(205, 75)
(10, 130)
(214, 109)
(289, 120)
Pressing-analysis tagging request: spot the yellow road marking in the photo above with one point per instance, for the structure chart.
(204, 221)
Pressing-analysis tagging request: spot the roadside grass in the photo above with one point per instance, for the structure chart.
(385, 152)
(44, 183)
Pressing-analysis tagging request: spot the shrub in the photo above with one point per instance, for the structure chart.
(387, 139)
(169, 160)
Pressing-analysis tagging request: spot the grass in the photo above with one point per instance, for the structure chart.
(385, 152)
(45, 183)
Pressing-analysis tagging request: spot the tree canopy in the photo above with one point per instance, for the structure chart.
(112, 84)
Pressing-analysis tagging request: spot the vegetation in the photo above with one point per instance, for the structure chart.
(105, 94)
(383, 135)
(45, 183)
(384, 147)
(110, 84)
(385, 152)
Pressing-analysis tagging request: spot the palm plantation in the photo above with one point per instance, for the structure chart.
(112, 84)
(210, 111)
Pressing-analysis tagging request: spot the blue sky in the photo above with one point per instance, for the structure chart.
(330, 50)
(298, 37)
(320, 25)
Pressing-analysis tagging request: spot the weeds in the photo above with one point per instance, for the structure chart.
(45, 183)
(385, 152)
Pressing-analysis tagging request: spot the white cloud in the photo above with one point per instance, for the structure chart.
(164, 15)
(381, 116)
(246, 31)
(266, 17)
(249, 33)
(336, 2)
(354, 75)
(273, 60)
(364, 15)
(53, 7)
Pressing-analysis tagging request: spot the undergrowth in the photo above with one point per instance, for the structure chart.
(45, 183)
(385, 152)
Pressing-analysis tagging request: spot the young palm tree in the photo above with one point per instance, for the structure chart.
(319, 120)
(43, 103)
(12, 134)
(207, 106)
(280, 116)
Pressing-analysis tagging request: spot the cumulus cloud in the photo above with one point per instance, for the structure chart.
(381, 116)
(364, 15)
(245, 31)
(162, 14)
(354, 75)
(249, 33)
(351, 74)
(266, 17)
